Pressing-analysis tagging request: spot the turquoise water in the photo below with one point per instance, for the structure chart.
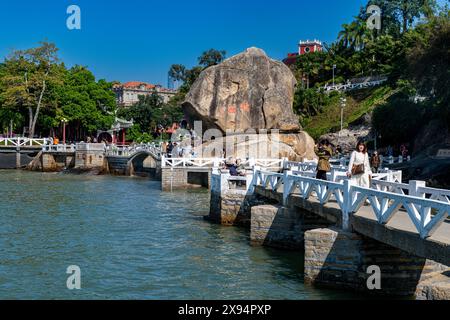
(131, 241)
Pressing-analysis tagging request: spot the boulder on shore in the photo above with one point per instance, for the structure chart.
(248, 94)
(247, 91)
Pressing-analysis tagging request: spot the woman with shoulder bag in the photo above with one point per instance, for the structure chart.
(359, 167)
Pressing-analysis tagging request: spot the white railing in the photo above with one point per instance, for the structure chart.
(434, 194)
(130, 150)
(426, 214)
(63, 148)
(222, 183)
(191, 162)
(22, 142)
(217, 163)
(354, 86)
(394, 160)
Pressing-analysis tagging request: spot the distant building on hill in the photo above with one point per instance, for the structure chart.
(304, 47)
(128, 93)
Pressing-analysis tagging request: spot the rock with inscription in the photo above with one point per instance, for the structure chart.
(247, 91)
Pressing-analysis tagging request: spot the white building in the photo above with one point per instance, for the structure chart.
(128, 93)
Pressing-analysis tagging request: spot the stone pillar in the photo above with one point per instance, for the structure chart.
(18, 161)
(173, 178)
(90, 156)
(230, 206)
(339, 259)
(276, 226)
(48, 163)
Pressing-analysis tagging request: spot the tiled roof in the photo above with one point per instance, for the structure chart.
(137, 84)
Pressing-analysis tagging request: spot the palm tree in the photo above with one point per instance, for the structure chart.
(353, 35)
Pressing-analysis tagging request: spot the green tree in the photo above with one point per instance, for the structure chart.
(428, 62)
(211, 57)
(408, 11)
(87, 105)
(28, 76)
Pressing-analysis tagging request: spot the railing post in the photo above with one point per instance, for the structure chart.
(287, 186)
(414, 186)
(163, 161)
(252, 163)
(285, 163)
(255, 175)
(347, 197)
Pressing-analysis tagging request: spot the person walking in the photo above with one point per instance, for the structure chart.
(359, 167)
(375, 162)
(324, 152)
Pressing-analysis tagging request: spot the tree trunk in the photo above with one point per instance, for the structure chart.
(30, 120)
(405, 15)
(38, 108)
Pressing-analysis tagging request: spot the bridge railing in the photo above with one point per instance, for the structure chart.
(63, 148)
(426, 214)
(217, 163)
(129, 150)
(22, 142)
(434, 194)
(190, 162)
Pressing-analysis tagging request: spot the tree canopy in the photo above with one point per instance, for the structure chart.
(38, 92)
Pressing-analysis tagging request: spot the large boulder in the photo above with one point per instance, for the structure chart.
(295, 147)
(247, 91)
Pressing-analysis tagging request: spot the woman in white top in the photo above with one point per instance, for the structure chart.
(360, 156)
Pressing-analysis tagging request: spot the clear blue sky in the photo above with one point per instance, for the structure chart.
(140, 39)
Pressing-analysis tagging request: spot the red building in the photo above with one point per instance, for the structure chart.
(304, 47)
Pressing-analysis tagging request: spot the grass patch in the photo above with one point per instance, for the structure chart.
(358, 103)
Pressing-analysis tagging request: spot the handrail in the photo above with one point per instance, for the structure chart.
(59, 148)
(23, 142)
(426, 214)
(216, 162)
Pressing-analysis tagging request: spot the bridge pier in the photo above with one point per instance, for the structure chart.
(344, 243)
(339, 259)
(282, 227)
(184, 178)
(90, 156)
(231, 202)
(18, 162)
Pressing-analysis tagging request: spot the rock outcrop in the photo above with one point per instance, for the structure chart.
(295, 147)
(247, 91)
(348, 138)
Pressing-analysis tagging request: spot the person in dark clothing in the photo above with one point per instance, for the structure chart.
(169, 150)
(324, 152)
(375, 162)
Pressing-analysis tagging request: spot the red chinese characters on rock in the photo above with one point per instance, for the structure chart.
(232, 109)
(245, 107)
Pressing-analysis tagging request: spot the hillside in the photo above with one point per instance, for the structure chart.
(358, 104)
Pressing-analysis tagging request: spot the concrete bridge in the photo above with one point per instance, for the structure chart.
(18, 152)
(402, 229)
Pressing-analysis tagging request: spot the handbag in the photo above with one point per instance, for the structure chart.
(358, 169)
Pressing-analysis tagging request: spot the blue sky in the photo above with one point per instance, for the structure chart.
(139, 40)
